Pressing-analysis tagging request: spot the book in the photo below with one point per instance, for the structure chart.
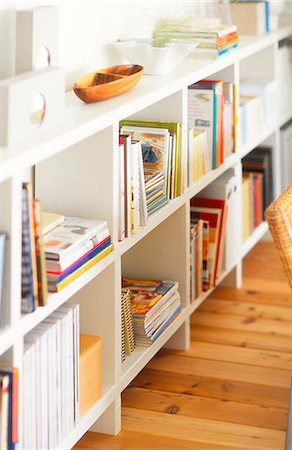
(213, 216)
(78, 254)
(261, 160)
(28, 303)
(128, 326)
(40, 256)
(50, 221)
(121, 175)
(66, 237)
(223, 206)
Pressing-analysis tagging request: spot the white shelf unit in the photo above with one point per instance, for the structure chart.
(76, 173)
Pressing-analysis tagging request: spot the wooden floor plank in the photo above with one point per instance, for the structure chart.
(251, 295)
(205, 408)
(219, 352)
(247, 309)
(224, 370)
(131, 440)
(257, 324)
(203, 430)
(198, 385)
(277, 287)
(239, 338)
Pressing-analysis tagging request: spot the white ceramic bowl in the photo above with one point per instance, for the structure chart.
(155, 60)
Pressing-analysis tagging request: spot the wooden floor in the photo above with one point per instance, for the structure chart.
(230, 390)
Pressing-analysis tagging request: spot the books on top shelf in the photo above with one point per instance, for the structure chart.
(154, 304)
(9, 386)
(213, 36)
(73, 247)
(211, 108)
(51, 379)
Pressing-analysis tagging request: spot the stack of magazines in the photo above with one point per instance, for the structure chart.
(73, 247)
(154, 304)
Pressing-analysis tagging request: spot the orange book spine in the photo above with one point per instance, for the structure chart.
(15, 400)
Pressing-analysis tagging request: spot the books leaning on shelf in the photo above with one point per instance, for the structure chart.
(8, 407)
(211, 108)
(162, 151)
(74, 247)
(51, 379)
(154, 304)
(208, 230)
(33, 279)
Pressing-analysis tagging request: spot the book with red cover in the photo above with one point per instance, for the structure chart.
(216, 204)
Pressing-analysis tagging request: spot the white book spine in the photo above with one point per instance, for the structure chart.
(121, 233)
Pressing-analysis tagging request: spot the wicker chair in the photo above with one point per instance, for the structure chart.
(279, 218)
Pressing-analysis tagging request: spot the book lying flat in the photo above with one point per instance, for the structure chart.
(56, 277)
(50, 221)
(68, 236)
(53, 287)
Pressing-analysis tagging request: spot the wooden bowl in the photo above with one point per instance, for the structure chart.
(108, 82)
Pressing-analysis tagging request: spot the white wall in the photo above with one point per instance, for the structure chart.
(87, 28)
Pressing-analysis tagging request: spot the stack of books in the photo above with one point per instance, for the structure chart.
(154, 304)
(213, 37)
(218, 41)
(33, 277)
(73, 247)
(128, 335)
(8, 407)
(51, 379)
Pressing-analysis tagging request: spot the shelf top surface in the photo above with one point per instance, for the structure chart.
(83, 120)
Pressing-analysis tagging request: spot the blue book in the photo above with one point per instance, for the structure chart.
(27, 288)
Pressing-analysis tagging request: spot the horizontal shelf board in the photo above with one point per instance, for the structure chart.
(247, 148)
(211, 176)
(88, 419)
(29, 321)
(285, 119)
(156, 219)
(7, 336)
(142, 355)
(83, 120)
(256, 236)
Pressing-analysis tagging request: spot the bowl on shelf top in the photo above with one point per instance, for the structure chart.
(107, 83)
(155, 60)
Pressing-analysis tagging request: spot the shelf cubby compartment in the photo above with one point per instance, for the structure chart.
(83, 180)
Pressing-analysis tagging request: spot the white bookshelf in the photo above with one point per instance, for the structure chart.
(76, 173)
